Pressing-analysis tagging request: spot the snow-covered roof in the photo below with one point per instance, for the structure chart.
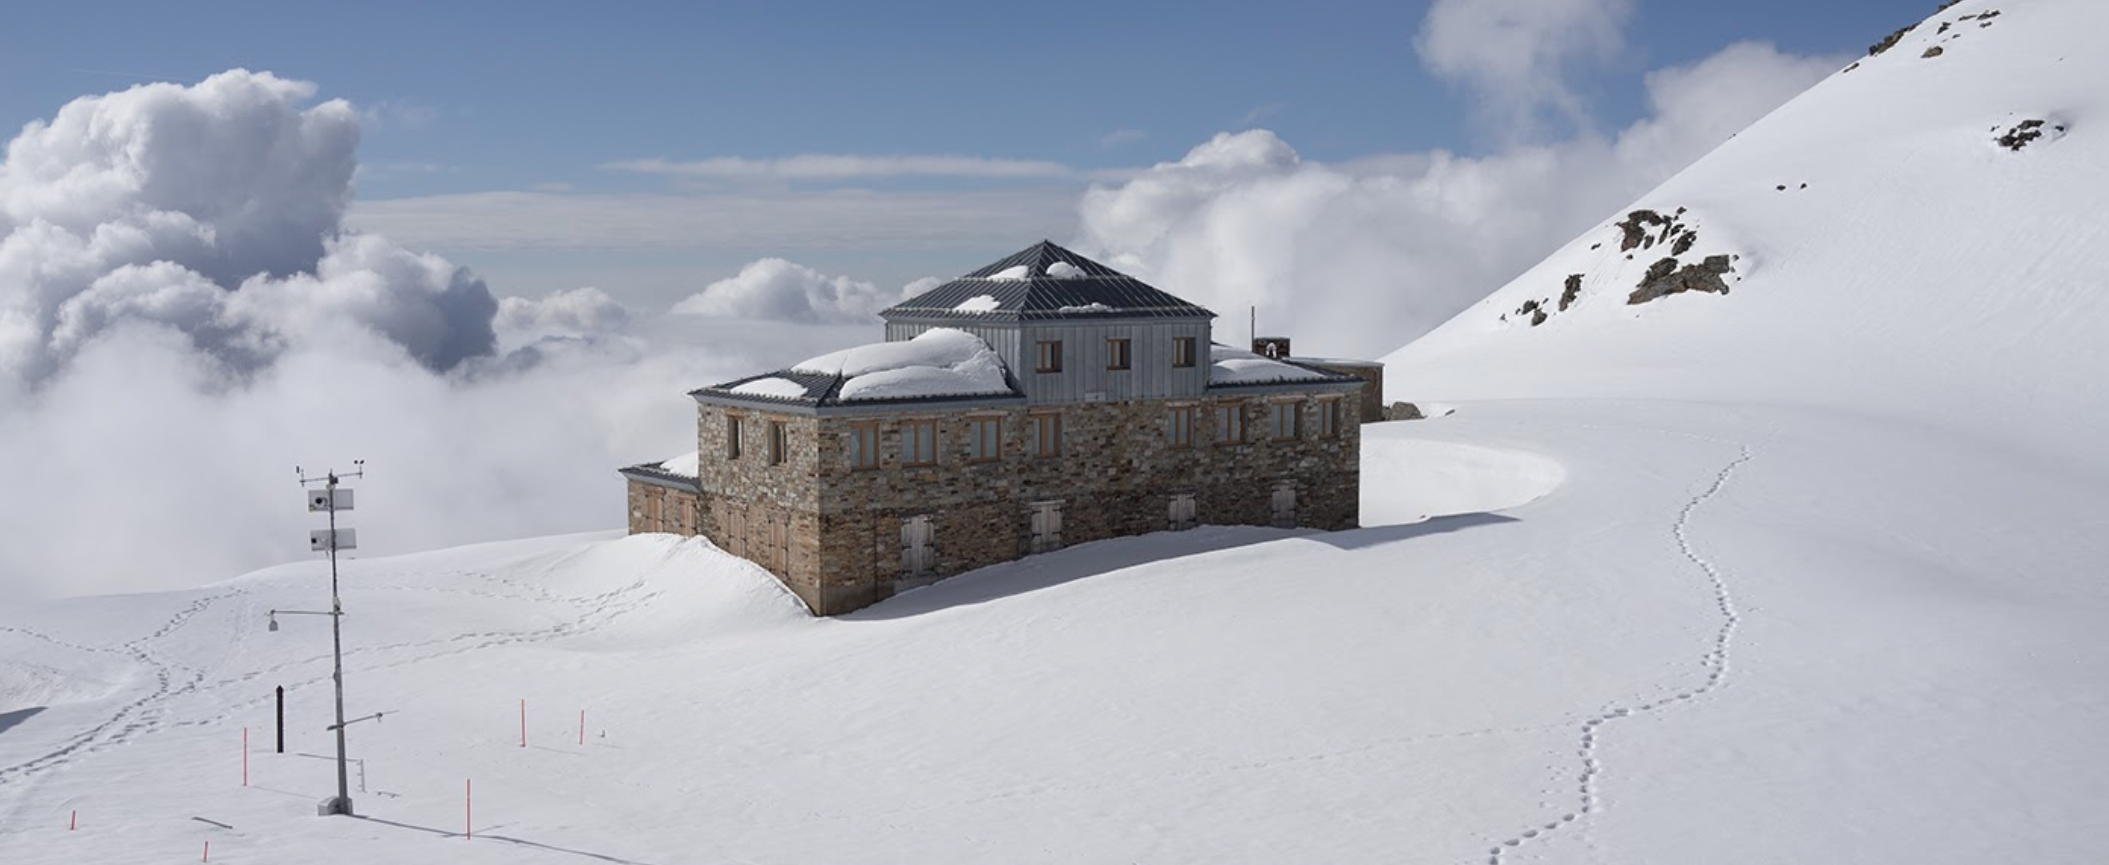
(1045, 281)
(677, 472)
(685, 465)
(1234, 366)
(940, 363)
(772, 386)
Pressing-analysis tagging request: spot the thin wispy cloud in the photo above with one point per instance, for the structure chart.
(764, 219)
(839, 167)
(1261, 112)
(1122, 136)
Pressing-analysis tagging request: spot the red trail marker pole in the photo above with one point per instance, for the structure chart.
(582, 726)
(74, 822)
(245, 758)
(468, 808)
(523, 722)
(207, 855)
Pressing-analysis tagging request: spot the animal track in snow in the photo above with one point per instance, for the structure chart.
(1715, 660)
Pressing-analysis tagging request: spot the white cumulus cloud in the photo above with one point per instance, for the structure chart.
(777, 290)
(1514, 55)
(214, 210)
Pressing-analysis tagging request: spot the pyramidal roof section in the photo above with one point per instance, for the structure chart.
(1044, 281)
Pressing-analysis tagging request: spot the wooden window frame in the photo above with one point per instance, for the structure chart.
(1235, 413)
(1118, 355)
(732, 436)
(910, 454)
(984, 444)
(1329, 418)
(1183, 351)
(1180, 419)
(864, 452)
(779, 442)
(1274, 420)
(1047, 434)
(1047, 356)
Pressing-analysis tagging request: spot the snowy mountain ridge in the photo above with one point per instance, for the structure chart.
(1808, 570)
(1899, 242)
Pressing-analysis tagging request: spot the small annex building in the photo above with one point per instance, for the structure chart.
(1042, 401)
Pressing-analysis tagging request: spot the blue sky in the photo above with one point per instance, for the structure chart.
(476, 98)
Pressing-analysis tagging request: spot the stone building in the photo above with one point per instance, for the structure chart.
(1042, 401)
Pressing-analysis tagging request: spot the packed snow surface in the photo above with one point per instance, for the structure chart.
(1806, 572)
(772, 386)
(937, 362)
(1237, 366)
(684, 465)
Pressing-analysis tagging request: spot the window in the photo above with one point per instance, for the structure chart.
(919, 442)
(1050, 356)
(1116, 354)
(1180, 426)
(984, 438)
(1230, 423)
(1182, 351)
(779, 440)
(1286, 415)
(1046, 435)
(864, 446)
(732, 437)
(1329, 419)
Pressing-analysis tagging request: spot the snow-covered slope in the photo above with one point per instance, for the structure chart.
(1889, 253)
(1809, 572)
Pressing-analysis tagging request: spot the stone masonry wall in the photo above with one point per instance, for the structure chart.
(766, 512)
(1115, 476)
(655, 508)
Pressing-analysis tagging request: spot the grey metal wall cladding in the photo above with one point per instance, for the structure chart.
(1084, 376)
(1085, 353)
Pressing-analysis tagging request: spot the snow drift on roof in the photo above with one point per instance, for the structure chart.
(1238, 366)
(978, 303)
(937, 362)
(684, 465)
(1016, 271)
(1065, 270)
(772, 386)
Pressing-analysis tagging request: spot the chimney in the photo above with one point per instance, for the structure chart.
(1274, 347)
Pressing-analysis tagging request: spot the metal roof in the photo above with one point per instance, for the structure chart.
(825, 389)
(1099, 292)
(651, 473)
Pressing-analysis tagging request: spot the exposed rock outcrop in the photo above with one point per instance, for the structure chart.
(1665, 277)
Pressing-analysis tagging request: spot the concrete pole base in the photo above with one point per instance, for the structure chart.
(334, 805)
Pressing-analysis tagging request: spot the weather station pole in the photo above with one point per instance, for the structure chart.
(332, 498)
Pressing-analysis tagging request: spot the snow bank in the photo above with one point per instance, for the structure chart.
(679, 590)
(1407, 480)
(1238, 366)
(937, 362)
(772, 386)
